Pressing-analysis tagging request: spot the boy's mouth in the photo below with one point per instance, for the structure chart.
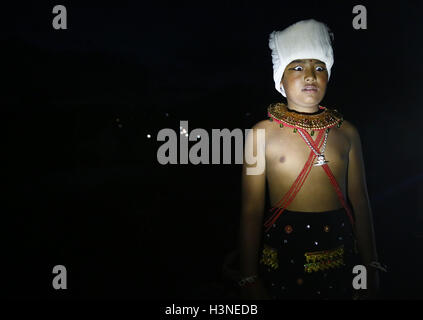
(310, 88)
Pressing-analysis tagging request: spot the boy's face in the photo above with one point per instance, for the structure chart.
(305, 82)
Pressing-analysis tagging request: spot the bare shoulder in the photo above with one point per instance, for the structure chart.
(263, 124)
(271, 129)
(350, 131)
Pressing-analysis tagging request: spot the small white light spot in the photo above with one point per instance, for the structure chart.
(186, 134)
(316, 243)
(308, 226)
(148, 136)
(198, 136)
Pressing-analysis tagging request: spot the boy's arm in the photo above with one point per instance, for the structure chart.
(357, 193)
(253, 202)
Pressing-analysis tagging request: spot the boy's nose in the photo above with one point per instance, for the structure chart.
(310, 76)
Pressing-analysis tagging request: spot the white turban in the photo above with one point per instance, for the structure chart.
(307, 39)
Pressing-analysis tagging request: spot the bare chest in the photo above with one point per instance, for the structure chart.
(286, 155)
(285, 149)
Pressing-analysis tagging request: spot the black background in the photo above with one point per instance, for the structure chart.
(83, 187)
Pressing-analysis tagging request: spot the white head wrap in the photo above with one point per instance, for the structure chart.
(307, 39)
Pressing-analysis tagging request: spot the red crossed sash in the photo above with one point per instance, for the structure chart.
(298, 183)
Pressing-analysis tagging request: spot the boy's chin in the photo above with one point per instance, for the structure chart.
(305, 99)
(305, 103)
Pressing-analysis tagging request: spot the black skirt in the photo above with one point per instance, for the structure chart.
(309, 255)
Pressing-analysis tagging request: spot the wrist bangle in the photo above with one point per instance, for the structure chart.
(378, 265)
(247, 281)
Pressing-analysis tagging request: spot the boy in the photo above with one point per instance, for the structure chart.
(311, 237)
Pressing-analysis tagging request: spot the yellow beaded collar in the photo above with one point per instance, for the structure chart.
(326, 119)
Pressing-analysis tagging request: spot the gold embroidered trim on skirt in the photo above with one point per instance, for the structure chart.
(270, 257)
(324, 260)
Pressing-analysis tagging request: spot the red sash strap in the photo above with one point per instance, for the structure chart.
(290, 195)
(296, 186)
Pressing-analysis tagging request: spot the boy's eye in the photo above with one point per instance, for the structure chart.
(298, 68)
(320, 69)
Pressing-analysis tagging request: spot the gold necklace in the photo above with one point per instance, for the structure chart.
(324, 120)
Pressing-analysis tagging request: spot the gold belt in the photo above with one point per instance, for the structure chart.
(270, 257)
(324, 260)
(315, 261)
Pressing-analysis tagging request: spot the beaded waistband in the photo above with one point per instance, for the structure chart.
(324, 260)
(314, 261)
(270, 257)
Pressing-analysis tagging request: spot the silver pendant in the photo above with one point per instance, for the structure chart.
(320, 160)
